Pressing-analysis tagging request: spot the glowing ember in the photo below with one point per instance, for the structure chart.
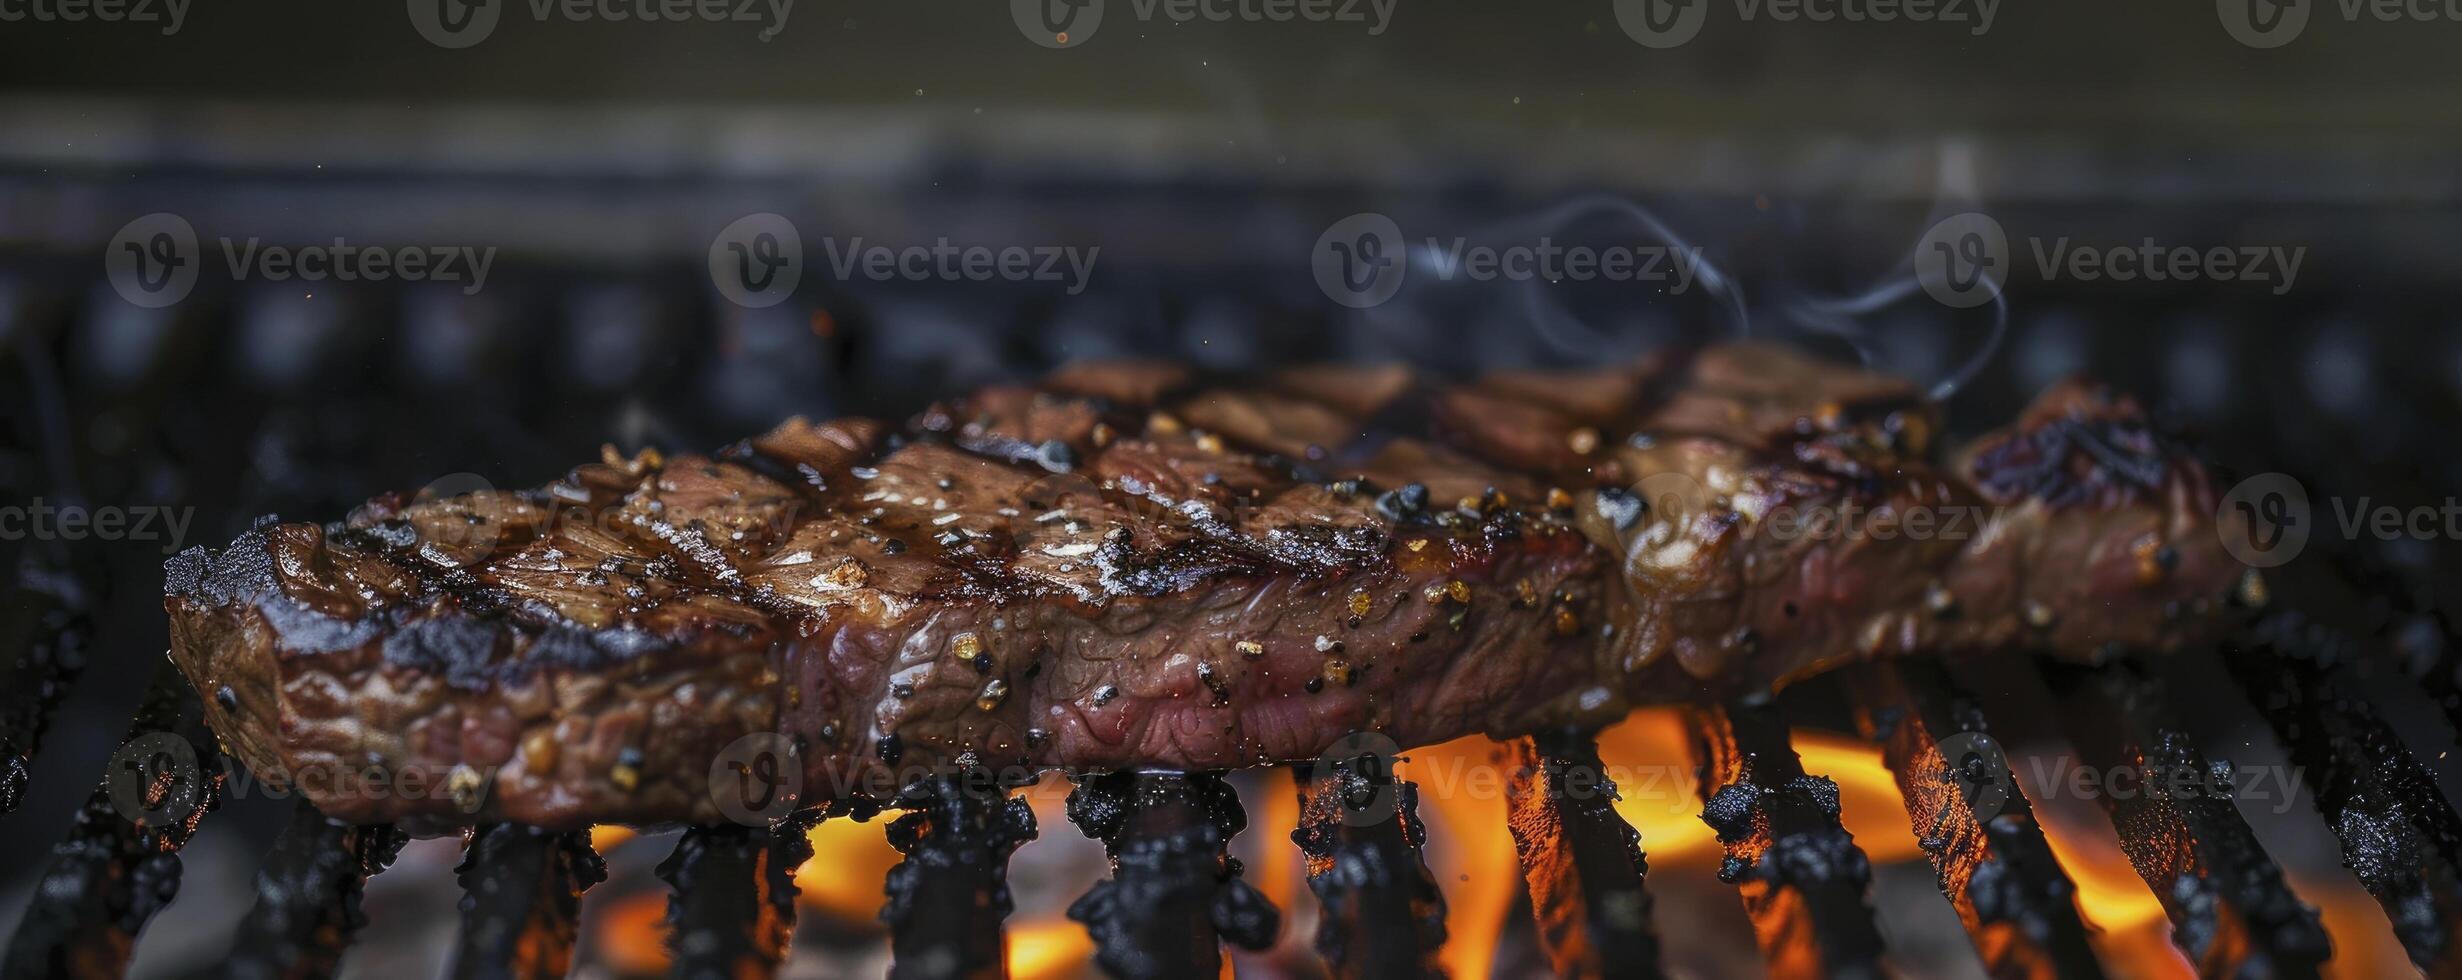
(1048, 948)
(606, 837)
(632, 935)
(849, 862)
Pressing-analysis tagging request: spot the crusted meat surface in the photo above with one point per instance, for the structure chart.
(1124, 566)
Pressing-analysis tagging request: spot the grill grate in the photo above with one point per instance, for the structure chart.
(1802, 877)
(1359, 827)
(947, 899)
(733, 910)
(2230, 911)
(54, 624)
(111, 875)
(1582, 862)
(2398, 833)
(522, 898)
(307, 897)
(1175, 890)
(1173, 887)
(1977, 830)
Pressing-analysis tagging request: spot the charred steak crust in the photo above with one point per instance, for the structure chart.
(1130, 566)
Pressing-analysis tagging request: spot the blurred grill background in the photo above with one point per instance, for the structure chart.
(1203, 159)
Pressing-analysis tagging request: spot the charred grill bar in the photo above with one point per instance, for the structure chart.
(1173, 890)
(111, 874)
(2231, 913)
(307, 897)
(733, 910)
(522, 888)
(1803, 878)
(1383, 916)
(1976, 827)
(50, 618)
(1583, 864)
(947, 899)
(2399, 835)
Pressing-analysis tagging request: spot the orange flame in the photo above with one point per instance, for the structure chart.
(1049, 949)
(1470, 852)
(606, 837)
(2129, 929)
(632, 935)
(2133, 935)
(849, 862)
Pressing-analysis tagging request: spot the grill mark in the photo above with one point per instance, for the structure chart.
(1217, 546)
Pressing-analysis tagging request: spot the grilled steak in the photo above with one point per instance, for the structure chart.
(1125, 567)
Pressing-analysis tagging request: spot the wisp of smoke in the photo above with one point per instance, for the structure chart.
(1837, 317)
(1566, 331)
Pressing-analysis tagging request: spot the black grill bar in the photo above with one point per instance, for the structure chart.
(2229, 909)
(111, 874)
(2399, 835)
(49, 618)
(1583, 864)
(1802, 877)
(1173, 890)
(307, 897)
(948, 898)
(732, 911)
(521, 889)
(1975, 825)
(1382, 915)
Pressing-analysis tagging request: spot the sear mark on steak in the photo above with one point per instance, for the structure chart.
(1130, 566)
